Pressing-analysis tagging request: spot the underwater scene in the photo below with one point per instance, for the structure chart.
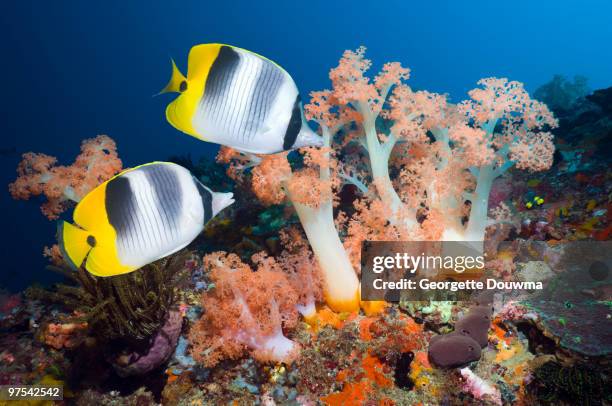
(273, 203)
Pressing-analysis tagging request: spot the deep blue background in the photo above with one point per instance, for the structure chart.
(75, 69)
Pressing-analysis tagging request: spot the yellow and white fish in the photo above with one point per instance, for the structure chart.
(237, 98)
(137, 217)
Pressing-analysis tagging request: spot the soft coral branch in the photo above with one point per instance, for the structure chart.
(63, 185)
(442, 158)
(239, 318)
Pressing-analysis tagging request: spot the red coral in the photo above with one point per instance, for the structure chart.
(64, 335)
(38, 174)
(246, 311)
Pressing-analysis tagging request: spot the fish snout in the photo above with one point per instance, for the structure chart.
(308, 138)
(221, 201)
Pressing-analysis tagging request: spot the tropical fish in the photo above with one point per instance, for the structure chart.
(137, 217)
(237, 98)
(532, 199)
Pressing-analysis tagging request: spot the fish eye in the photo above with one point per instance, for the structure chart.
(91, 240)
(183, 86)
(470, 348)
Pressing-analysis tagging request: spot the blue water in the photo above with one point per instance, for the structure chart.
(75, 69)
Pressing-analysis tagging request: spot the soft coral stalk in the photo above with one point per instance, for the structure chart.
(447, 156)
(310, 192)
(353, 90)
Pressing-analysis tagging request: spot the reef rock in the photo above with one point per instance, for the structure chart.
(534, 271)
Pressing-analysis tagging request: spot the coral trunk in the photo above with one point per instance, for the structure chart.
(340, 283)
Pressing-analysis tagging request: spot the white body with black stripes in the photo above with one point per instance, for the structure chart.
(166, 217)
(245, 101)
(137, 217)
(168, 208)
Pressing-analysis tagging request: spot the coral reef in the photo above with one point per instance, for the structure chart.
(129, 307)
(264, 307)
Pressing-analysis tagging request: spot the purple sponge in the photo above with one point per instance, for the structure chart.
(453, 350)
(476, 325)
(162, 346)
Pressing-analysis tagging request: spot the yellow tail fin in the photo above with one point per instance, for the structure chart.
(75, 243)
(177, 83)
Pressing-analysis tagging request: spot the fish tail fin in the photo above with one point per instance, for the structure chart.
(220, 201)
(74, 242)
(177, 81)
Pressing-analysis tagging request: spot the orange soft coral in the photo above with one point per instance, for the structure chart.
(303, 271)
(442, 158)
(245, 312)
(64, 335)
(54, 255)
(62, 185)
(269, 176)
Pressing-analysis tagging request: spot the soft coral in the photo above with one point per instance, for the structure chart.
(442, 158)
(245, 311)
(61, 185)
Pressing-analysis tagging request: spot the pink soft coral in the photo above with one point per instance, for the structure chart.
(301, 268)
(443, 159)
(63, 185)
(479, 388)
(245, 311)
